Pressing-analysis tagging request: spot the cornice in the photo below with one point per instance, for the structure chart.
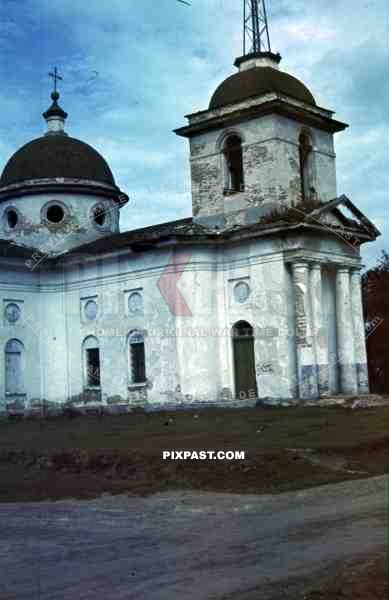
(62, 186)
(275, 105)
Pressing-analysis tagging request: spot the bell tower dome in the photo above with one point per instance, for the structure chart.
(57, 192)
(263, 145)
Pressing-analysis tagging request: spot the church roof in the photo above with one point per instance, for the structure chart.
(256, 82)
(349, 218)
(271, 222)
(56, 156)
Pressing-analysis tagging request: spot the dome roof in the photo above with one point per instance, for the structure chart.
(257, 81)
(53, 156)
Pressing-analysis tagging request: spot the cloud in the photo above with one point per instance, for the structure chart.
(307, 31)
(132, 70)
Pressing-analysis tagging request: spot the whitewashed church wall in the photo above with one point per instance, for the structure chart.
(54, 346)
(266, 311)
(332, 247)
(117, 278)
(20, 287)
(271, 167)
(77, 228)
(324, 158)
(188, 358)
(195, 364)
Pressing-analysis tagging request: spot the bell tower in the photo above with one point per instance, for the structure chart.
(263, 145)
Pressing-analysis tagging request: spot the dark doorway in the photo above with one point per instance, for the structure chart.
(138, 365)
(93, 367)
(244, 361)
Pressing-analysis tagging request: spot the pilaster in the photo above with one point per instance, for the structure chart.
(319, 337)
(345, 332)
(306, 361)
(360, 356)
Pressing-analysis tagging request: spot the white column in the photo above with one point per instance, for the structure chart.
(306, 361)
(360, 356)
(318, 333)
(345, 333)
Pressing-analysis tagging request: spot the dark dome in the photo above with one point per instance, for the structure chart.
(54, 156)
(256, 82)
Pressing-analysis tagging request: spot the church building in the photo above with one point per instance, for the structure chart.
(254, 298)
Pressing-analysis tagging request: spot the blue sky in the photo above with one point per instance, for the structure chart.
(133, 68)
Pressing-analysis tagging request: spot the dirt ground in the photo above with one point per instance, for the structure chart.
(285, 449)
(354, 581)
(323, 542)
(365, 579)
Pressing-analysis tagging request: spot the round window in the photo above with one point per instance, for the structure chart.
(90, 310)
(99, 215)
(12, 312)
(55, 213)
(12, 218)
(135, 303)
(241, 292)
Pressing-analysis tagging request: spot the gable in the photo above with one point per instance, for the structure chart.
(341, 213)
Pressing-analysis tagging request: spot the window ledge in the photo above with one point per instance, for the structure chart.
(136, 386)
(232, 192)
(15, 394)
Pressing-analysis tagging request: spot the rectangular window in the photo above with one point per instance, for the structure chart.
(138, 366)
(93, 367)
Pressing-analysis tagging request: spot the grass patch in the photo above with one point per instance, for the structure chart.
(87, 456)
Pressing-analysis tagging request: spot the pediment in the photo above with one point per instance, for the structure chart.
(341, 213)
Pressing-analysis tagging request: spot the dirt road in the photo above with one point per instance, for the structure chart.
(189, 546)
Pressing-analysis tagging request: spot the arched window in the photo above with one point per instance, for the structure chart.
(91, 357)
(14, 380)
(233, 159)
(308, 191)
(136, 357)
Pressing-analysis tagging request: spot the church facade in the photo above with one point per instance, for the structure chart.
(256, 297)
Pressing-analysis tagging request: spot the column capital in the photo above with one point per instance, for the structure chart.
(316, 266)
(299, 264)
(343, 269)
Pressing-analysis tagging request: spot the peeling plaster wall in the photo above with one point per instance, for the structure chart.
(54, 359)
(329, 342)
(109, 282)
(20, 286)
(77, 227)
(188, 358)
(194, 366)
(271, 168)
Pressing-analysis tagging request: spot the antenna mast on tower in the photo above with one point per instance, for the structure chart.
(256, 36)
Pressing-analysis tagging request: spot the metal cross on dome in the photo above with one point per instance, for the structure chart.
(55, 75)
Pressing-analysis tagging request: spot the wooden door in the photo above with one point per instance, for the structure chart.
(244, 361)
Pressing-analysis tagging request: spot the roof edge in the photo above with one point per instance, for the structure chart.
(61, 185)
(277, 104)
